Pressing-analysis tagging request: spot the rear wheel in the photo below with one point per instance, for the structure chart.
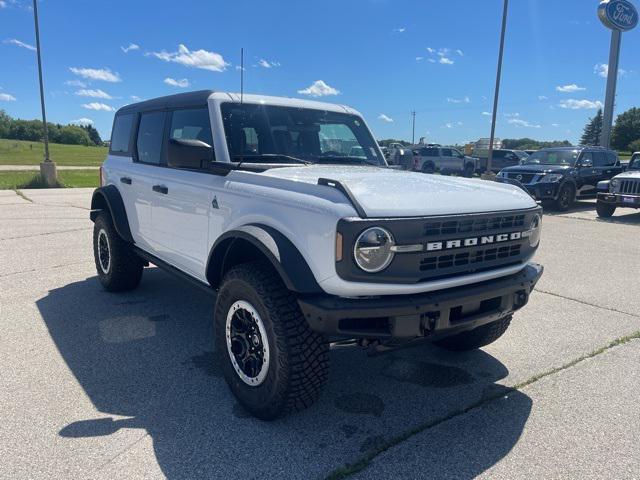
(273, 362)
(605, 210)
(476, 338)
(566, 197)
(428, 167)
(119, 268)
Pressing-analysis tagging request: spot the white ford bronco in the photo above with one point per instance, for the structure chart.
(286, 210)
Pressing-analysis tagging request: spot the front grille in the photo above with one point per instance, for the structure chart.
(473, 257)
(525, 177)
(464, 226)
(630, 186)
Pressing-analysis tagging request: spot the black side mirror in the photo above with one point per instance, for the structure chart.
(188, 153)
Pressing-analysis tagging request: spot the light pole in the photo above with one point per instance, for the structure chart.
(47, 168)
(620, 16)
(488, 174)
(413, 128)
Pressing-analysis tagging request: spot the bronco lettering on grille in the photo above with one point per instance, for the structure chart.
(470, 242)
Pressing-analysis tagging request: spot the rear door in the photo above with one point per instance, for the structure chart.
(588, 173)
(446, 162)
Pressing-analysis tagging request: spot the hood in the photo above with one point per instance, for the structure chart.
(533, 168)
(634, 174)
(392, 193)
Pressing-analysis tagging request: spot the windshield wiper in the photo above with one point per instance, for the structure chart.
(248, 158)
(349, 160)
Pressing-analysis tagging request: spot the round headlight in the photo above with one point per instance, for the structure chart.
(372, 251)
(535, 229)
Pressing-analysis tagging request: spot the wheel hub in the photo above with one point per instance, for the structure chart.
(247, 343)
(104, 251)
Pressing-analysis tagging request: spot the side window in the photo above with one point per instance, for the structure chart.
(446, 152)
(586, 156)
(456, 153)
(191, 124)
(121, 134)
(149, 142)
(430, 152)
(612, 158)
(499, 154)
(600, 159)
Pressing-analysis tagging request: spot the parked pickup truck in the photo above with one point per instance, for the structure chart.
(286, 211)
(623, 190)
(558, 176)
(445, 160)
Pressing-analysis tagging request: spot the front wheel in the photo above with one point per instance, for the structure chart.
(469, 170)
(566, 197)
(476, 338)
(428, 167)
(605, 210)
(273, 362)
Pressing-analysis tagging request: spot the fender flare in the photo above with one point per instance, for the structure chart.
(109, 198)
(278, 249)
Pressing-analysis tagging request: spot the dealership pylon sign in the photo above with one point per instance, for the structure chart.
(620, 16)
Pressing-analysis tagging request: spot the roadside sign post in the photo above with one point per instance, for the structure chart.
(47, 167)
(619, 16)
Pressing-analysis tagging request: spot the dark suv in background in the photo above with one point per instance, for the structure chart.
(502, 159)
(560, 175)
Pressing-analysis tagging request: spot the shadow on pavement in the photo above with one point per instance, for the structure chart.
(148, 356)
(627, 216)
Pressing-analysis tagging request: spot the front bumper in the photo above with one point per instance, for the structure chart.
(543, 191)
(434, 314)
(620, 200)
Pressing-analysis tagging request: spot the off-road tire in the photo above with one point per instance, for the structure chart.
(605, 210)
(566, 197)
(476, 338)
(428, 167)
(298, 357)
(123, 270)
(469, 170)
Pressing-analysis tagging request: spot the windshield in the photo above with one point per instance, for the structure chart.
(552, 157)
(634, 164)
(522, 155)
(275, 134)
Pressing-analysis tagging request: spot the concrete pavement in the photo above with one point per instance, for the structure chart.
(111, 386)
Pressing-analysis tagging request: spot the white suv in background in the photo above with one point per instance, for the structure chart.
(446, 160)
(286, 211)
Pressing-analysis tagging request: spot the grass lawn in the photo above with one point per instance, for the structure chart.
(68, 178)
(19, 152)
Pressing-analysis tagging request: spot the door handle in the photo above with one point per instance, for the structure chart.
(160, 189)
(126, 180)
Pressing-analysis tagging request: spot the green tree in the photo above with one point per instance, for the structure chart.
(592, 130)
(93, 134)
(626, 129)
(74, 135)
(5, 122)
(634, 146)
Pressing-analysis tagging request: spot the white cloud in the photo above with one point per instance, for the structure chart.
(512, 115)
(448, 125)
(400, 29)
(555, 124)
(94, 94)
(132, 46)
(193, 58)
(460, 52)
(488, 114)
(5, 97)
(75, 83)
(432, 60)
(135, 98)
(18, 43)
(431, 50)
(82, 121)
(268, 64)
(602, 70)
(98, 106)
(446, 61)
(573, 104)
(459, 100)
(385, 118)
(3, 4)
(103, 74)
(570, 88)
(419, 59)
(181, 83)
(542, 97)
(518, 122)
(319, 89)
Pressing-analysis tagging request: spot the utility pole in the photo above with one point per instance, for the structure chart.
(47, 168)
(413, 129)
(488, 174)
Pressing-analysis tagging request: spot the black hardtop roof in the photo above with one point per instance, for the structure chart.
(188, 99)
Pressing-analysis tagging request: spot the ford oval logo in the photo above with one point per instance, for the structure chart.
(618, 14)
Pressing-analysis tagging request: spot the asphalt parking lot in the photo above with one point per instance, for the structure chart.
(101, 385)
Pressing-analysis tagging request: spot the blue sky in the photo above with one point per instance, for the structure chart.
(383, 57)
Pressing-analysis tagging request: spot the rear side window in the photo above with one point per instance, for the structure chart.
(600, 159)
(446, 152)
(429, 152)
(121, 133)
(149, 143)
(191, 124)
